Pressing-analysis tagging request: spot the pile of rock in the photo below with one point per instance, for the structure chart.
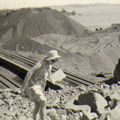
(71, 103)
(13, 106)
(102, 104)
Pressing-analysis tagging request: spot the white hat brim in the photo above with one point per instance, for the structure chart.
(51, 58)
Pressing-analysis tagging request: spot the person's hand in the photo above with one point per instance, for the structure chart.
(22, 90)
(51, 81)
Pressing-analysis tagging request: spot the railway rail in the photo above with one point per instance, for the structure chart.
(30, 62)
(6, 82)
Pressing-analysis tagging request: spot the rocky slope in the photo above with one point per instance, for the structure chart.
(70, 103)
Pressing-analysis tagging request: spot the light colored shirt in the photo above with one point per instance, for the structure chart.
(40, 74)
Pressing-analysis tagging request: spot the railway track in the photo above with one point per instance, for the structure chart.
(30, 62)
(6, 82)
(2, 83)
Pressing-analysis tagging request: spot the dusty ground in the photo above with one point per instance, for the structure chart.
(15, 107)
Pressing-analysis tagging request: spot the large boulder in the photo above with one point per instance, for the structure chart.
(115, 95)
(111, 114)
(95, 100)
(89, 116)
(70, 105)
(115, 113)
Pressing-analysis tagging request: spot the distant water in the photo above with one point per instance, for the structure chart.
(97, 21)
(95, 16)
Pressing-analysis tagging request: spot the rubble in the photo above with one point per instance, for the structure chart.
(115, 113)
(1, 102)
(69, 103)
(115, 95)
(89, 116)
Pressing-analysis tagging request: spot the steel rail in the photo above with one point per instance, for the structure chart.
(5, 82)
(31, 62)
(18, 57)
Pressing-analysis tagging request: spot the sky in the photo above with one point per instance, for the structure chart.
(12, 4)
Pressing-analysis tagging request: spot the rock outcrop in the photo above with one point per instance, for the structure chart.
(94, 100)
(64, 104)
(117, 72)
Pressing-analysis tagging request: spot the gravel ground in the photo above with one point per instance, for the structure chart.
(15, 107)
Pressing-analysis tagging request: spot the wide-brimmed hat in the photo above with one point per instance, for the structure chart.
(52, 54)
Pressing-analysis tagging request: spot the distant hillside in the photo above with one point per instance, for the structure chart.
(85, 5)
(34, 22)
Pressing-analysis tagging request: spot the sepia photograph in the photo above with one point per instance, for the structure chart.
(60, 60)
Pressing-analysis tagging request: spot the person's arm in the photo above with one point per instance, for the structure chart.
(47, 76)
(29, 74)
(49, 71)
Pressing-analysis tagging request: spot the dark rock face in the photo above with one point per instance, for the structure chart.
(116, 76)
(117, 72)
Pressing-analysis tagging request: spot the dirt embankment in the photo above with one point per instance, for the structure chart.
(83, 56)
(40, 30)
